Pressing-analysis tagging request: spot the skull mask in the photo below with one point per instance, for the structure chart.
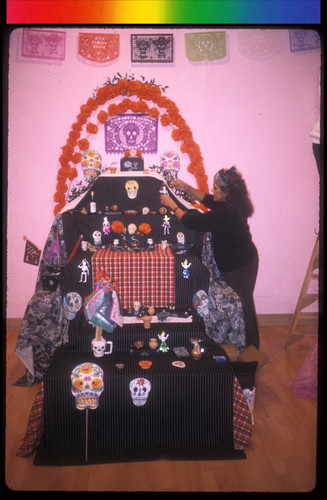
(87, 385)
(131, 189)
(140, 388)
(71, 304)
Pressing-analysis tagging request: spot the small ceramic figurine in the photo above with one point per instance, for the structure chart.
(163, 346)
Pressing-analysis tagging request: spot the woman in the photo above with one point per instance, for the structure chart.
(233, 250)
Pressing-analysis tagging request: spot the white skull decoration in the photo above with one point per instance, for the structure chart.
(131, 189)
(140, 388)
(87, 385)
(99, 347)
(71, 304)
(97, 237)
(180, 238)
(169, 162)
(137, 306)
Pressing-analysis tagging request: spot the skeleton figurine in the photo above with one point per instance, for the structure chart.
(166, 224)
(85, 268)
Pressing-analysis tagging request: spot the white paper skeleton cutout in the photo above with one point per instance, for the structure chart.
(71, 304)
(132, 188)
(87, 385)
(140, 388)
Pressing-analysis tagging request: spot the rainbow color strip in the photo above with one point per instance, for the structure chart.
(163, 12)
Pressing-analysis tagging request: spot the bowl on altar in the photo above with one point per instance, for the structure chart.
(130, 212)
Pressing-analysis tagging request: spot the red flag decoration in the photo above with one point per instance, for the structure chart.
(32, 253)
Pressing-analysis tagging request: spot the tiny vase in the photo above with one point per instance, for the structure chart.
(153, 344)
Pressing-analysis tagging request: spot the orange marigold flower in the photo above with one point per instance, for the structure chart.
(165, 120)
(102, 117)
(91, 128)
(117, 226)
(83, 144)
(72, 174)
(76, 158)
(145, 228)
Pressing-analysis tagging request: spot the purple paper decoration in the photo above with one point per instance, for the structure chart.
(304, 40)
(43, 44)
(152, 48)
(137, 131)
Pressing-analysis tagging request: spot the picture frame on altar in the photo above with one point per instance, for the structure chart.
(131, 164)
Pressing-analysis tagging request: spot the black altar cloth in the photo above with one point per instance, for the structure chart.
(188, 414)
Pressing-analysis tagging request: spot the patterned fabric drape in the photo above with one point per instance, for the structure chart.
(225, 322)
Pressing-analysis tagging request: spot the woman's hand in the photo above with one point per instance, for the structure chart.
(167, 201)
(178, 183)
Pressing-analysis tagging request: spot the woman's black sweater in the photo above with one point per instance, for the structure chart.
(231, 237)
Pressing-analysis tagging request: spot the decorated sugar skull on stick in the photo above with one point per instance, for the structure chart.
(72, 303)
(87, 387)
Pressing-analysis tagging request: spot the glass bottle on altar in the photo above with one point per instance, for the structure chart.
(93, 205)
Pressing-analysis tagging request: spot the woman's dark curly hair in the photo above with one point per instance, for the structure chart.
(237, 198)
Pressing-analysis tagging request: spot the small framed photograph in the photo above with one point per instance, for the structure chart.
(131, 164)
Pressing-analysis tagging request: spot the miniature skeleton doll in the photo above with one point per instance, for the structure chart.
(85, 270)
(166, 224)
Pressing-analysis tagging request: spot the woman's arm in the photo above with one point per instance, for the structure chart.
(195, 193)
(170, 203)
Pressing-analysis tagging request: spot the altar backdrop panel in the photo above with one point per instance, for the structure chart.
(249, 107)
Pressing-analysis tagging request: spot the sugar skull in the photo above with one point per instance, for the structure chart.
(71, 304)
(91, 164)
(132, 188)
(140, 389)
(131, 228)
(201, 302)
(170, 164)
(87, 385)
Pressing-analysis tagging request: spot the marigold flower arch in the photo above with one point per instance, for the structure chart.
(125, 88)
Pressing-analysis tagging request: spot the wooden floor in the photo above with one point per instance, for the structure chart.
(281, 456)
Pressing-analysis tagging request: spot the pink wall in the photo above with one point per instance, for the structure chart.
(254, 113)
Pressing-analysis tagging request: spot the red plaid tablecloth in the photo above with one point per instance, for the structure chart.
(145, 276)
